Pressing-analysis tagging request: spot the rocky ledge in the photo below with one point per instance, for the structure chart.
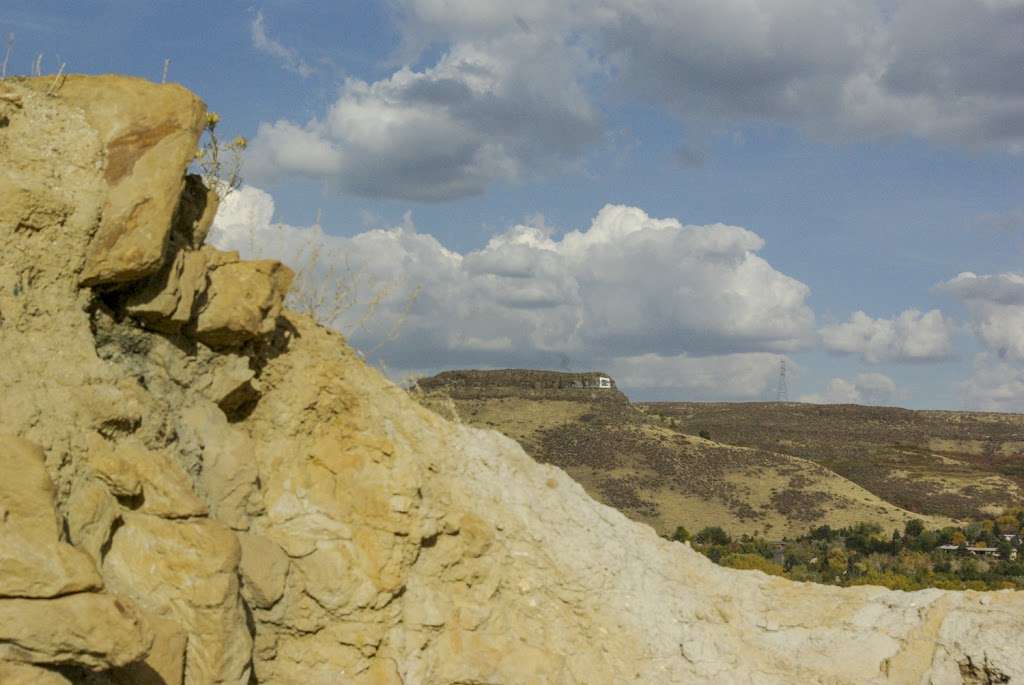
(200, 486)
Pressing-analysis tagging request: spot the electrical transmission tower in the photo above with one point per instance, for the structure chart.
(782, 391)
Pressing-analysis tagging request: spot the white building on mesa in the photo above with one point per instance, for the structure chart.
(604, 382)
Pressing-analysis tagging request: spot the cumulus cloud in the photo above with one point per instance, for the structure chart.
(476, 117)
(994, 385)
(910, 337)
(866, 388)
(628, 286)
(996, 305)
(288, 57)
(519, 85)
(945, 70)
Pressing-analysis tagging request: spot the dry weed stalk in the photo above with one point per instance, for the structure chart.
(57, 81)
(325, 287)
(223, 176)
(8, 49)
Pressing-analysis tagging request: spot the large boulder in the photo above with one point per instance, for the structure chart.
(149, 133)
(93, 630)
(243, 300)
(33, 560)
(186, 572)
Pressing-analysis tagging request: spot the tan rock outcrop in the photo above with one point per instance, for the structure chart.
(186, 572)
(243, 300)
(264, 570)
(94, 630)
(165, 662)
(12, 673)
(33, 560)
(229, 477)
(265, 504)
(149, 134)
(154, 482)
(92, 514)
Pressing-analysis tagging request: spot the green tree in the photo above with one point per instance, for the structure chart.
(1007, 524)
(681, 534)
(836, 561)
(822, 533)
(913, 528)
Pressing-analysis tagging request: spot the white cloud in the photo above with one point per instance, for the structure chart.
(994, 385)
(866, 388)
(288, 57)
(519, 85)
(1005, 289)
(479, 116)
(996, 305)
(944, 70)
(741, 376)
(628, 286)
(910, 337)
(284, 148)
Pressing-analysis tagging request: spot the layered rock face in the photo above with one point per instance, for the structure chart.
(201, 487)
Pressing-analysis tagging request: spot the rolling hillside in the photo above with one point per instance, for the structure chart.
(954, 464)
(650, 465)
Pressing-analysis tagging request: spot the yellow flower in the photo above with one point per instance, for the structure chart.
(212, 118)
(240, 142)
(200, 153)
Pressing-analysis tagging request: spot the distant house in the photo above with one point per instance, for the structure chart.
(604, 382)
(1012, 538)
(974, 550)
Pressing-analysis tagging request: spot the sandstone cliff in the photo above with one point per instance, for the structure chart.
(199, 487)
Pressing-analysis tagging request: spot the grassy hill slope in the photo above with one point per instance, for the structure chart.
(951, 464)
(665, 475)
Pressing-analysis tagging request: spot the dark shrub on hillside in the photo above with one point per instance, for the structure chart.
(713, 535)
(914, 528)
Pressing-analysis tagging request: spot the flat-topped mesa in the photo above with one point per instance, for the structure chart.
(523, 383)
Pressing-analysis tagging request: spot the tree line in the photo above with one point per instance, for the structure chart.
(865, 554)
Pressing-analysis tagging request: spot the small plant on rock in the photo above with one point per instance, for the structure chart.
(220, 164)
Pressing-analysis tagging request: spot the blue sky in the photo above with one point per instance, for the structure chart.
(681, 193)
